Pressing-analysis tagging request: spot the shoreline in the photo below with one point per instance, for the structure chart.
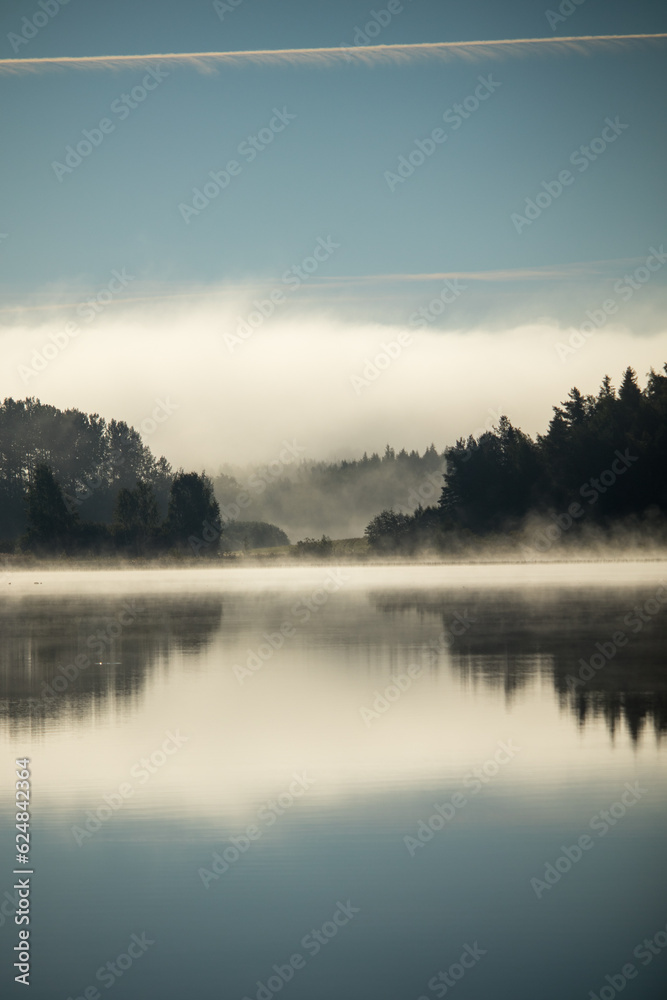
(21, 565)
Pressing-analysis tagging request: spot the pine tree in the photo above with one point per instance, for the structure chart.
(193, 515)
(50, 524)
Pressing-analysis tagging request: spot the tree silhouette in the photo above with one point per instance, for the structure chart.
(136, 517)
(91, 458)
(493, 482)
(50, 525)
(193, 514)
(491, 479)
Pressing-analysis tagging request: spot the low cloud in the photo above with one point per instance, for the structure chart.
(338, 386)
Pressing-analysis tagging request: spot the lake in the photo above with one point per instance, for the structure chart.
(338, 782)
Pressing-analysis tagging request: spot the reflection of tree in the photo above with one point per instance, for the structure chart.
(64, 656)
(634, 707)
(518, 635)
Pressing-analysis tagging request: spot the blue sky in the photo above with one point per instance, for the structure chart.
(330, 172)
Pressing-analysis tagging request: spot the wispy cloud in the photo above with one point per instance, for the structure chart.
(549, 272)
(542, 273)
(368, 55)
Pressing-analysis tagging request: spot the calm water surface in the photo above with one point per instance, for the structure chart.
(339, 783)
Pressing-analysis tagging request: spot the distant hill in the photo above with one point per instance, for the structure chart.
(332, 498)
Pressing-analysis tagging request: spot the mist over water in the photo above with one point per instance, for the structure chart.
(519, 623)
(333, 481)
(333, 711)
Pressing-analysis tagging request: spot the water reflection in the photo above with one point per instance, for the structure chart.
(605, 650)
(602, 650)
(66, 657)
(498, 655)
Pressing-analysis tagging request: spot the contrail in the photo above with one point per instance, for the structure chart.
(543, 273)
(368, 55)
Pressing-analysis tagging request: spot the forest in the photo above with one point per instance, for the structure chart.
(112, 494)
(72, 482)
(602, 462)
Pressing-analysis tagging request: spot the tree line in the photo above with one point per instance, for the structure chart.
(603, 459)
(71, 481)
(74, 482)
(191, 525)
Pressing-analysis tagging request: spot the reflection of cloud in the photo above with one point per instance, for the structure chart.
(303, 709)
(368, 55)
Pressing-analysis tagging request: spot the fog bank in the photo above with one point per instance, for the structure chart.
(216, 382)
